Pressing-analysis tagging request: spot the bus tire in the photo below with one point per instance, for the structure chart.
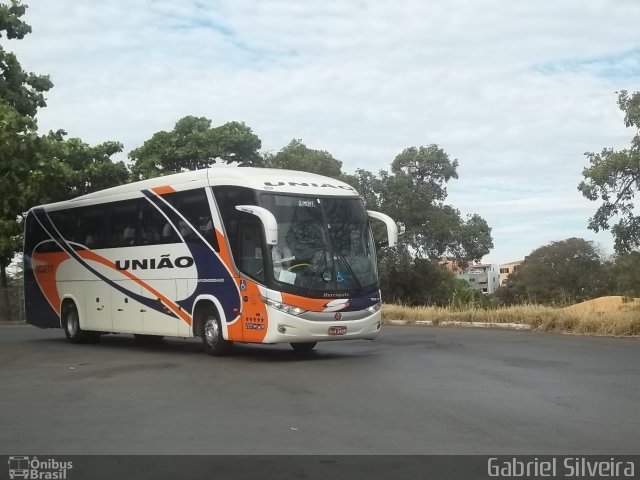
(211, 334)
(71, 325)
(304, 346)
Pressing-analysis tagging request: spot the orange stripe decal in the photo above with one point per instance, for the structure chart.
(89, 255)
(163, 190)
(45, 266)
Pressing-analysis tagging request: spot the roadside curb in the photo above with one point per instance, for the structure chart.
(453, 323)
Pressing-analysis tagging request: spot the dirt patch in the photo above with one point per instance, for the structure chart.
(605, 305)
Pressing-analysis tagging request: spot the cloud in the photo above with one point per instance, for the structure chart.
(517, 91)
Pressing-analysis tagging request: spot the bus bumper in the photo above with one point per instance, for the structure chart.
(287, 328)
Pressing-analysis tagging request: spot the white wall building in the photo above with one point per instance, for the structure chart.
(484, 277)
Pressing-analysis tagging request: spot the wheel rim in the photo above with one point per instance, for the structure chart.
(72, 323)
(211, 331)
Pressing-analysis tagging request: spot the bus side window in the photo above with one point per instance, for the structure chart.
(193, 205)
(244, 231)
(66, 222)
(36, 236)
(251, 260)
(91, 228)
(154, 227)
(123, 223)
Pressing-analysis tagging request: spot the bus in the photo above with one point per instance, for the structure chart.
(227, 254)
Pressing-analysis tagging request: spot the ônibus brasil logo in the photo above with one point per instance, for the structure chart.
(38, 469)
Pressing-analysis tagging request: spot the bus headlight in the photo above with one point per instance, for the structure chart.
(374, 308)
(283, 307)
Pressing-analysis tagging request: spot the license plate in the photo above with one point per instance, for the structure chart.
(337, 330)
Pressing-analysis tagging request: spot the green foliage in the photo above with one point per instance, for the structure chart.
(69, 168)
(18, 143)
(297, 156)
(24, 91)
(613, 178)
(624, 275)
(559, 273)
(21, 94)
(413, 193)
(193, 144)
(414, 281)
(38, 169)
(11, 22)
(465, 298)
(370, 187)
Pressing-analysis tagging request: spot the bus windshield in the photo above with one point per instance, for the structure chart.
(324, 245)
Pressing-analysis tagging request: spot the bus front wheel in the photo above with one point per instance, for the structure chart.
(211, 334)
(71, 325)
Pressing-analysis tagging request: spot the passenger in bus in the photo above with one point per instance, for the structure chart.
(93, 240)
(150, 236)
(167, 231)
(205, 226)
(129, 235)
(282, 259)
(183, 228)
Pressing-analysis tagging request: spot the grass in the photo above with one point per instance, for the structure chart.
(540, 318)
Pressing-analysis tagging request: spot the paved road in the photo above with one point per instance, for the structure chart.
(414, 390)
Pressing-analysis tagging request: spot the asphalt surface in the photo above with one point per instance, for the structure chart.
(414, 390)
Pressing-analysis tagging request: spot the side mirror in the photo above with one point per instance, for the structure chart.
(268, 221)
(392, 228)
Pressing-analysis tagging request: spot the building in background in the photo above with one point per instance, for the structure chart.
(507, 269)
(483, 277)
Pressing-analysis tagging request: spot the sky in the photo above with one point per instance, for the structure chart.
(515, 90)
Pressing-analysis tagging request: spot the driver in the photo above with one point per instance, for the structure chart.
(281, 255)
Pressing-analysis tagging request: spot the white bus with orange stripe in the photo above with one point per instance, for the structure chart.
(228, 254)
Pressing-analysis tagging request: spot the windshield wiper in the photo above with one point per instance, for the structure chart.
(349, 269)
(316, 266)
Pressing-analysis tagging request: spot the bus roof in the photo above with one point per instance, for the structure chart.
(265, 179)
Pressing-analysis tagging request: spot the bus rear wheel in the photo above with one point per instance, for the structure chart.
(211, 334)
(71, 325)
(304, 346)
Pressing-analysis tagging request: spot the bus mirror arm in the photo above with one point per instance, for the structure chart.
(268, 221)
(392, 227)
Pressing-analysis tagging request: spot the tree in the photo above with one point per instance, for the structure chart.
(69, 168)
(297, 156)
(414, 193)
(561, 272)
(24, 91)
(38, 169)
(21, 94)
(414, 281)
(613, 178)
(193, 144)
(625, 275)
(18, 141)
